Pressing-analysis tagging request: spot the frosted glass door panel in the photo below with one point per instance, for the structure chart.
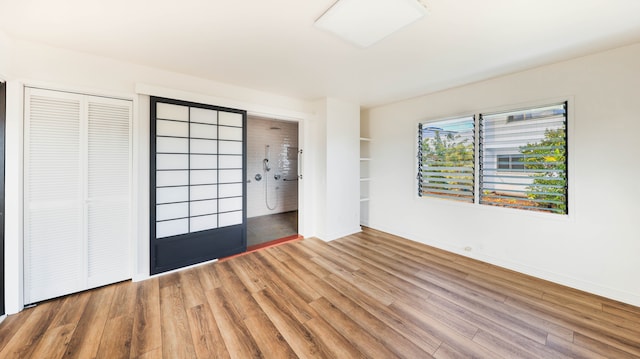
(230, 162)
(204, 192)
(203, 115)
(230, 148)
(230, 218)
(200, 208)
(197, 183)
(204, 177)
(230, 204)
(230, 176)
(172, 112)
(230, 119)
(204, 146)
(204, 162)
(230, 133)
(172, 211)
(230, 190)
(172, 228)
(204, 222)
(172, 194)
(204, 131)
(172, 128)
(172, 162)
(172, 178)
(172, 145)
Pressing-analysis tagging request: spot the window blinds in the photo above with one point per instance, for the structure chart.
(523, 159)
(446, 159)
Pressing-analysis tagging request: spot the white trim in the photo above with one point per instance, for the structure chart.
(14, 198)
(54, 86)
(251, 108)
(134, 183)
(338, 235)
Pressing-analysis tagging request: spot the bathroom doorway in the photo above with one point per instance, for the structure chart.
(272, 181)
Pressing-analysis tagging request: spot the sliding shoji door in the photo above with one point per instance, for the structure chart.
(197, 183)
(77, 176)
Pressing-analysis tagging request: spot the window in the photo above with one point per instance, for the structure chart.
(510, 162)
(523, 159)
(446, 159)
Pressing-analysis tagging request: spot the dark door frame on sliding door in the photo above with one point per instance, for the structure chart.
(168, 252)
(3, 114)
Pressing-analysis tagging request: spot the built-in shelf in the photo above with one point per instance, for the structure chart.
(365, 181)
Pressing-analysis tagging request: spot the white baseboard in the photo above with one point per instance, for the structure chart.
(558, 278)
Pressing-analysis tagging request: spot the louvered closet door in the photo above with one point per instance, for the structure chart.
(77, 183)
(108, 190)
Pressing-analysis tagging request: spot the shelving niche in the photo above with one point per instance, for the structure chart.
(365, 180)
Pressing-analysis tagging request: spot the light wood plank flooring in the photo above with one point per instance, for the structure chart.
(368, 295)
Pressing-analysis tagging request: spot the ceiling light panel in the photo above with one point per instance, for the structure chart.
(365, 22)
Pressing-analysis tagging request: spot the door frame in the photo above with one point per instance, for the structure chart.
(300, 136)
(3, 119)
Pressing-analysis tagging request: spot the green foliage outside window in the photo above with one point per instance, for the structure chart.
(548, 158)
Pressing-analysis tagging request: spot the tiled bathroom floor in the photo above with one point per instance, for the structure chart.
(270, 227)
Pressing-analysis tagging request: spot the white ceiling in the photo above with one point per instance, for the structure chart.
(272, 45)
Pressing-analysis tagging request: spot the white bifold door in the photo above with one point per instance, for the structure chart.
(77, 192)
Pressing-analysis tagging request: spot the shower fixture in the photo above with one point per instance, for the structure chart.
(266, 168)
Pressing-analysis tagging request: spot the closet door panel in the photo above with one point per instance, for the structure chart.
(108, 190)
(53, 233)
(77, 174)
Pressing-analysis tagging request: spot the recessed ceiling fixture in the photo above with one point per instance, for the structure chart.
(365, 22)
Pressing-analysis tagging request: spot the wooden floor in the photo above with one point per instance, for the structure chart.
(368, 295)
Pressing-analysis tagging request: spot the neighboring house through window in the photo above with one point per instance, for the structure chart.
(510, 162)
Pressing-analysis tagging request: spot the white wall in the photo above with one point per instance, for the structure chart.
(40, 65)
(5, 55)
(339, 170)
(597, 247)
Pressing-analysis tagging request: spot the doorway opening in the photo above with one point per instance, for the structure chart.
(272, 180)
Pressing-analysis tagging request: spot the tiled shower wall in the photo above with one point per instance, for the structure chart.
(282, 137)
